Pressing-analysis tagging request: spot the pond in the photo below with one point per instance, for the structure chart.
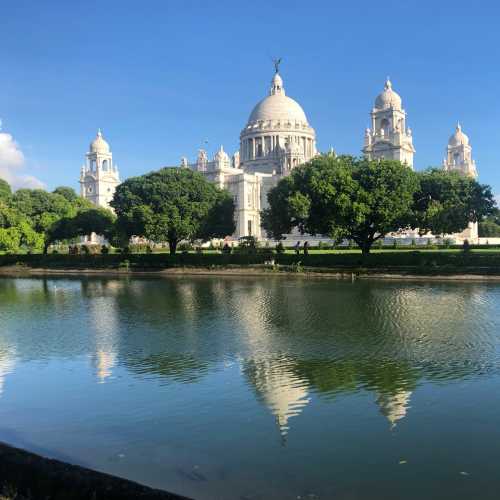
(257, 388)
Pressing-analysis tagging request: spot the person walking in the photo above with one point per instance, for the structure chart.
(306, 248)
(297, 248)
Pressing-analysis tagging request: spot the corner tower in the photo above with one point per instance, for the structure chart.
(459, 154)
(99, 177)
(389, 137)
(459, 159)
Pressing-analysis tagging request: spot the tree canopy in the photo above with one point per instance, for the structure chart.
(5, 190)
(343, 197)
(66, 192)
(363, 200)
(173, 204)
(30, 219)
(91, 220)
(489, 227)
(446, 202)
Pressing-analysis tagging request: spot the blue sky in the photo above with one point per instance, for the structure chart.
(160, 77)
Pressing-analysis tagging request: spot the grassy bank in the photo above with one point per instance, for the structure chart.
(414, 262)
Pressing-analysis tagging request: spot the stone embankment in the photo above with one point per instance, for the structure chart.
(26, 476)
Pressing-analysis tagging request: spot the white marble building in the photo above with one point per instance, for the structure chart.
(276, 139)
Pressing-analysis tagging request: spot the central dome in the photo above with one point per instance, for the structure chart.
(278, 107)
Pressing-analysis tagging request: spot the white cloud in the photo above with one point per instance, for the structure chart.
(12, 163)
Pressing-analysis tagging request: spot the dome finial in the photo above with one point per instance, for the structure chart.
(99, 133)
(277, 62)
(459, 127)
(388, 84)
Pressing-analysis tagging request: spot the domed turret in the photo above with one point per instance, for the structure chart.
(99, 145)
(388, 98)
(388, 136)
(458, 138)
(99, 177)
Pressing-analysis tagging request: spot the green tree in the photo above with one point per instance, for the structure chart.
(172, 205)
(5, 190)
(446, 202)
(489, 227)
(343, 197)
(94, 220)
(16, 231)
(42, 208)
(66, 192)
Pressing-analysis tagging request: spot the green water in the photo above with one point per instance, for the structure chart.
(234, 388)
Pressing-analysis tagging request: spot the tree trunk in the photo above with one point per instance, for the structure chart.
(365, 248)
(172, 243)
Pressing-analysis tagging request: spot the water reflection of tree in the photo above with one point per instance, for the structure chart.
(179, 368)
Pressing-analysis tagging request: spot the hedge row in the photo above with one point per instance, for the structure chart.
(348, 260)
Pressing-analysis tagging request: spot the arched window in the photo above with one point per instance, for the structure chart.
(93, 165)
(105, 165)
(384, 125)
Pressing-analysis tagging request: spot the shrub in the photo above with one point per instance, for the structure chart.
(247, 245)
(185, 247)
(104, 250)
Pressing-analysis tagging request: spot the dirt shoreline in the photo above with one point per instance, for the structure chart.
(25, 475)
(252, 271)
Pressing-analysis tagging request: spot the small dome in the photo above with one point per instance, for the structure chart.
(99, 145)
(458, 138)
(388, 98)
(221, 155)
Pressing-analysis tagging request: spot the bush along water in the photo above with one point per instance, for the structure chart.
(481, 262)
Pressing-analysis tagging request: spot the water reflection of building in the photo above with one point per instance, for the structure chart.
(294, 339)
(394, 406)
(277, 385)
(282, 391)
(104, 326)
(7, 363)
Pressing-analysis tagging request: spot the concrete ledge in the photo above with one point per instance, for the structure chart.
(33, 477)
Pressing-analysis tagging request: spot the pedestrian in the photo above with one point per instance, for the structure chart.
(297, 248)
(306, 248)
